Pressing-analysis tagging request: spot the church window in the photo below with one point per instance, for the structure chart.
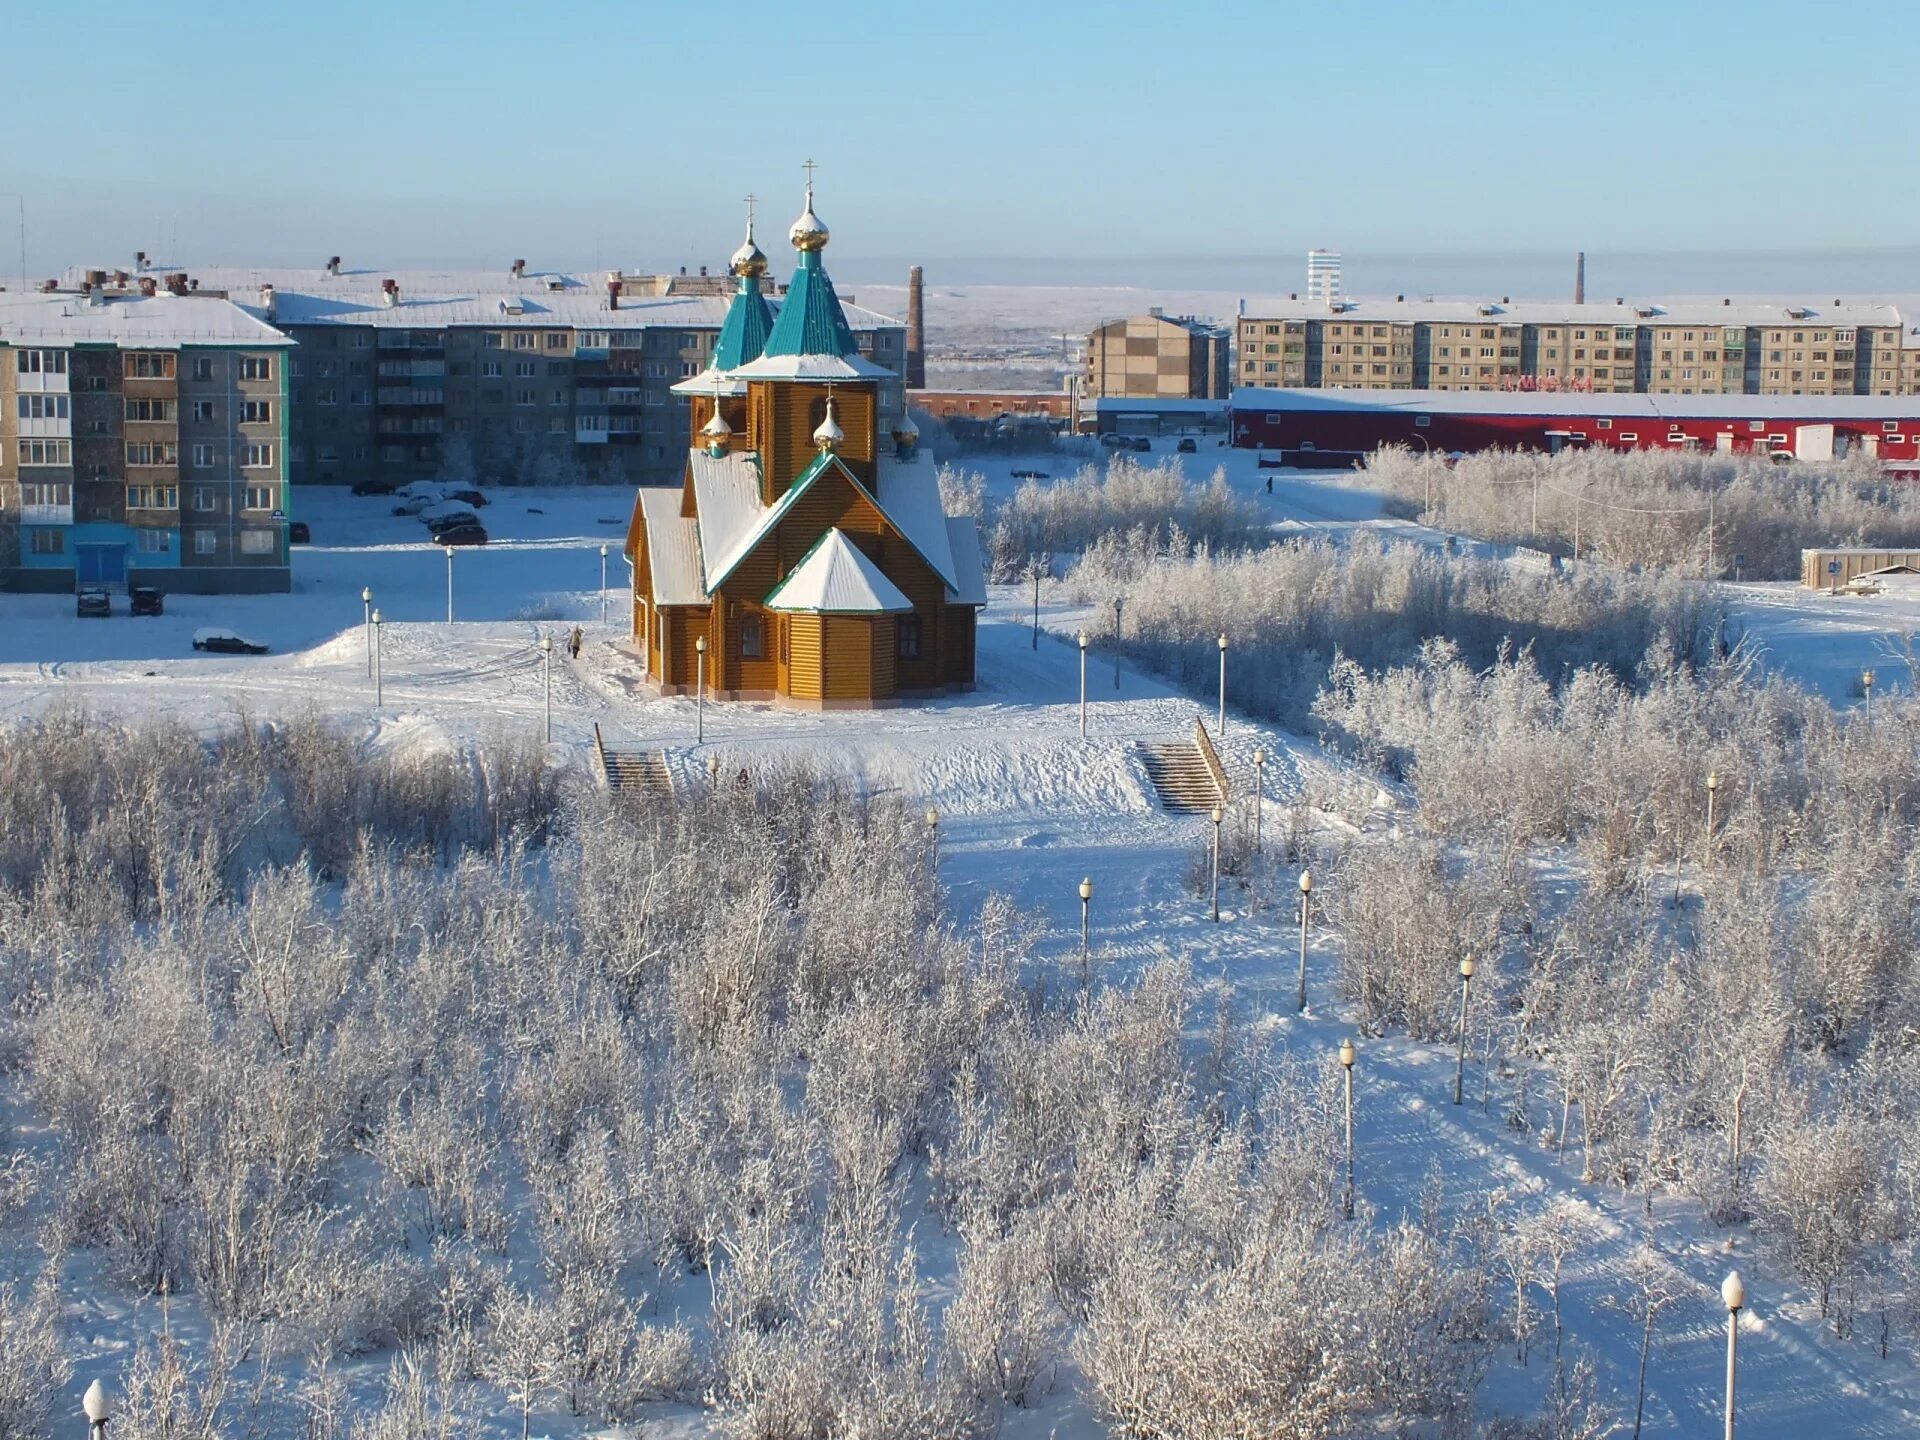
(752, 639)
(909, 637)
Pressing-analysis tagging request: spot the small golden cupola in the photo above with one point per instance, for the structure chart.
(829, 435)
(749, 259)
(717, 431)
(906, 435)
(809, 233)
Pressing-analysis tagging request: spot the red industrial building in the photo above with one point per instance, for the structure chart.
(1334, 428)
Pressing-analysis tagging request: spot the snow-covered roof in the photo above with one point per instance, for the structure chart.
(908, 492)
(963, 538)
(1578, 404)
(710, 382)
(673, 548)
(834, 578)
(726, 497)
(1699, 313)
(814, 367)
(433, 298)
(148, 322)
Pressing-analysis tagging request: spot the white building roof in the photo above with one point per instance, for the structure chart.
(1575, 404)
(155, 322)
(1706, 314)
(673, 548)
(433, 298)
(726, 497)
(836, 579)
(908, 492)
(963, 538)
(814, 367)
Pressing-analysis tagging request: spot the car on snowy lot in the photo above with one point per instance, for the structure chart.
(92, 602)
(1142, 443)
(1188, 446)
(469, 533)
(448, 512)
(414, 504)
(467, 497)
(219, 641)
(1031, 475)
(298, 533)
(373, 487)
(147, 600)
(1115, 442)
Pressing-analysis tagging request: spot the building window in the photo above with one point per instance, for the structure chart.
(151, 410)
(203, 367)
(752, 638)
(153, 497)
(257, 457)
(259, 542)
(202, 411)
(43, 362)
(143, 452)
(43, 407)
(258, 497)
(202, 497)
(205, 542)
(490, 370)
(142, 365)
(260, 367)
(153, 542)
(909, 634)
(36, 496)
(46, 452)
(48, 542)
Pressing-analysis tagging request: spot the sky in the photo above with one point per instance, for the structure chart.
(1432, 143)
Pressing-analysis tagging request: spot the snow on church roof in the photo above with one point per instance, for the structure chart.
(726, 498)
(673, 549)
(908, 493)
(836, 579)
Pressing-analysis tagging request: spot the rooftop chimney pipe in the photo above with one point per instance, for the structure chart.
(333, 265)
(916, 329)
(1580, 278)
(519, 269)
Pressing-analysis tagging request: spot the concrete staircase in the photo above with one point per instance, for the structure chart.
(643, 771)
(1178, 772)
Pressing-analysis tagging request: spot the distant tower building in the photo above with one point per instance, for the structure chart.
(1580, 279)
(916, 331)
(1323, 276)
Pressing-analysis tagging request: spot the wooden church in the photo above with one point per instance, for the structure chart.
(807, 545)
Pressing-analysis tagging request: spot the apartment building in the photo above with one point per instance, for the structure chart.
(1619, 348)
(509, 375)
(142, 441)
(1158, 356)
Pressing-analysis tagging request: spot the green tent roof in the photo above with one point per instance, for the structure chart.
(743, 334)
(811, 321)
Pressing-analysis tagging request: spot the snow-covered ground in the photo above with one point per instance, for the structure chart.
(1026, 807)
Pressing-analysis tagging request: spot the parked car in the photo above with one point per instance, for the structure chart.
(92, 602)
(467, 497)
(1188, 446)
(298, 533)
(1031, 475)
(220, 641)
(414, 504)
(1115, 442)
(1141, 442)
(373, 487)
(438, 517)
(467, 534)
(147, 600)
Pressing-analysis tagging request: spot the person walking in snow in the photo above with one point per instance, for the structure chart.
(573, 643)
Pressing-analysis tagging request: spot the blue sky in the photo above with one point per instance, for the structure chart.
(1123, 134)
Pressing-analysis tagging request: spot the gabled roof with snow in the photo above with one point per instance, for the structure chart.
(834, 578)
(908, 493)
(673, 548)
(146, 322)
(963, 538)
(726, 500)
(813, 367)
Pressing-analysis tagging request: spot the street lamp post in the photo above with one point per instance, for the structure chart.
(1036, 601)
(1866, 685)
(1733, 1291)
(1713, 789)
(1086, 901)
(933, 830)
(1460, 1063)
(603, 587)
(1116, 642)
(449, 550)
(1347, 1056)
(1083, 684)
(1306, 904)
(1223, 682)
(713, 772)
(1259, 792)
(366, 615)
(379, 665)
(700, 690)
(546, 676)
(1217, 814)
(94, 1404)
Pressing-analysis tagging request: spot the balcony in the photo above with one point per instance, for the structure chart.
(46, 514)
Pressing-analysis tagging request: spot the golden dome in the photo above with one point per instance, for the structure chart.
(748, 259)
(829, 434)
(809, 232)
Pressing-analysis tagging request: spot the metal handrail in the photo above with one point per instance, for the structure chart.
(1204, 742)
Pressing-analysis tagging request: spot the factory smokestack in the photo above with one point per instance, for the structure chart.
(1580, 279)
(916, 331)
